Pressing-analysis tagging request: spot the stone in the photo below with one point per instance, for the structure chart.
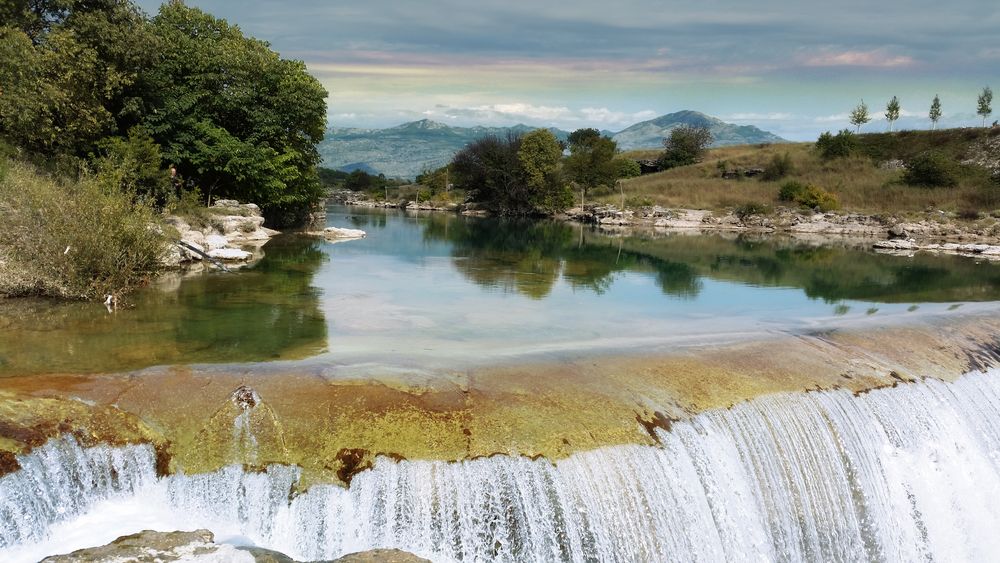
(150, 546)
(897, 231)
(226, 203)
(338, 232)
(216, 241)
(234, 254)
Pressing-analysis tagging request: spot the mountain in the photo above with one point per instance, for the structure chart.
(405, 150)
(408, 149)
(650, 134)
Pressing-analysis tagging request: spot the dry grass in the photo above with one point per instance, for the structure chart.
(857, 182)
(72, 239)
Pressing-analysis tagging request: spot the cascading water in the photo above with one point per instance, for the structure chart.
(902, 474)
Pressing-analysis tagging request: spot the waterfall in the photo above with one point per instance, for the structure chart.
(900, 474)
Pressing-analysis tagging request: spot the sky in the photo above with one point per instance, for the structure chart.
(795, 68)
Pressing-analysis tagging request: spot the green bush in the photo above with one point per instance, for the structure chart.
(627, 168)
(779, 167)
(932, 169)
(750, 209)
(841, 145)
(76, 240)
(808, 195)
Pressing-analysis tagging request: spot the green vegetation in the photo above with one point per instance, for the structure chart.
(984, 104)
(686, 145)
(892, 112)
(935, 112)
(841, 145)
(78, 240)
(862, 172)
(931, 169)
(591, 160)
(808, 195)
(104, 100)
(860, 116)
(778, 168)
(751, 209)
(93, 84)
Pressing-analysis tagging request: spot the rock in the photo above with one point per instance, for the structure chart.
(216, 241)
(896, 245)
(227, 203)
(234, 254)
(894, 164)
(337, 233)
(150, 546)
(897, 231)
(381, 556)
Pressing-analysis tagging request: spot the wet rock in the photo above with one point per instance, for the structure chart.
(381, 556)
(156, 547)
(897, 231)
(245, 397)
(234, 254)
(341, 233)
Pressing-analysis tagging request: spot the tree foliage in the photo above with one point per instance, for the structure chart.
(841, 145)
(591, 160)
(892, 111)
(935, 113)
(931, 169)
(513, 175)
(984, 104)
(233, 116)
(860, 116)
(685, 145)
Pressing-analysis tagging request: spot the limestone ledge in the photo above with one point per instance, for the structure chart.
(150, 546)
(233, 232)
(333, 426)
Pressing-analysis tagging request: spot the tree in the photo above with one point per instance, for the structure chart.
(840, 145)
(935, 113)
(892, 111)
(685, 145)
(860, 116)
(985, 99)
(489, 169)
(539, 156)
(591, 160)
(233, 115)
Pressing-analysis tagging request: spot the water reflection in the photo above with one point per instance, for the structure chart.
(529, 257)
(268, 311)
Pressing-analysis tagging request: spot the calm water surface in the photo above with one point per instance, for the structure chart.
(440, 291)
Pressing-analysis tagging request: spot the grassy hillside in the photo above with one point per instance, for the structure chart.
(858, 181)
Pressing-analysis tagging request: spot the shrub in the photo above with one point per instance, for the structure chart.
(749, 209)
(808, 195)
(74, 240)
(841, 145)
(932, 169)
(779, 167)
(627, 168)
(686, 145)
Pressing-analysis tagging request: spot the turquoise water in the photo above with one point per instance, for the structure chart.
(441, 291)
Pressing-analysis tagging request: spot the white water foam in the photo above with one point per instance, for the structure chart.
(903, 474)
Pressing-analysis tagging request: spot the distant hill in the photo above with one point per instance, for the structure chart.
(408, 149)
(405, 150)
(650, 134)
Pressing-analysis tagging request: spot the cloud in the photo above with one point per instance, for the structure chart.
(773, 116)
(876, 59)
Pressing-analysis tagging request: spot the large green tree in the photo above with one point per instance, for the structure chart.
(70, 72)
(232, 114)
(539, 155)
(591, 160)
(685, 145)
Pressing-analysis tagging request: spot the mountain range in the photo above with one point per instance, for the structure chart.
(408, 149)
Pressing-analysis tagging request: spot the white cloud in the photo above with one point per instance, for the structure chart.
(773, 116)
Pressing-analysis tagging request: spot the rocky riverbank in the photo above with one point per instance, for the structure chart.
(228, 231)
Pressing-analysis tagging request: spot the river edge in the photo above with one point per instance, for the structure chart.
(200, 420)
(933, 227)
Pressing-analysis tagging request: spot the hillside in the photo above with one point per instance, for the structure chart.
(405, 150)
(650, 134)
(863, 182)
(408, 149)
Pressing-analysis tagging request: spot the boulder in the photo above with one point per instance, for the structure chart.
(233, 254)
(216, 241)
(339, 233)
(897, 231)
